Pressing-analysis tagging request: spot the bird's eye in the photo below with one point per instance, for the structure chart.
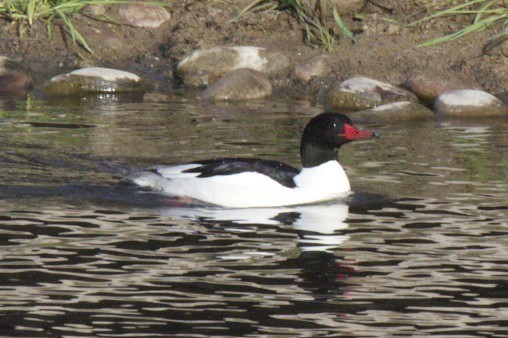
(334, 125)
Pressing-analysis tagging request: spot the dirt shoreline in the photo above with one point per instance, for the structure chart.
(384, 51)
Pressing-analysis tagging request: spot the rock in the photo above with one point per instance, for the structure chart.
(402, 111)
(315, 66)
(208, 65)
(361, 93)
(94, 80)
(241, 84)
(13, 76)
(428, 84)
(469, 103)
(199, 78)
(144, 16)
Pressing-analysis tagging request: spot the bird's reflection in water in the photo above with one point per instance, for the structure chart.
(318, 226)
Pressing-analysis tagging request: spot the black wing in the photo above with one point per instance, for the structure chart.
(277, 171)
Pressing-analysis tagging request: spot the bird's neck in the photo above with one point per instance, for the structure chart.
(312, 155)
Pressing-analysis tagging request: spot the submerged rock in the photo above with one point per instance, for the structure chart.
(13, 76)
(241, 84)
(205, 66)
(361, 93)
(402, 111)
(315, 66)
(94, 80)
(144, 16)
(428, 84)
(469, 103)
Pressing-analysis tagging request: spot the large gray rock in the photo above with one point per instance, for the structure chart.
(94, 80)
(204, 67)
(361, 93)
(317, 65)
(429, 84)
(241, 84)
(144, 16)
(469, 103)
(13, 76)
(403, 111)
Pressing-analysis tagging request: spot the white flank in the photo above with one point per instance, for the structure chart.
(250, 189)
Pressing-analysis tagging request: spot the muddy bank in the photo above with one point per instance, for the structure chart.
(385, 48)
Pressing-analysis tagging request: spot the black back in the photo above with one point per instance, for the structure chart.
(277, 171)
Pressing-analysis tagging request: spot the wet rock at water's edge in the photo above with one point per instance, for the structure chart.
(241, 84)
(428, 84)
(470, 103)
(317, 66)
(402, 111)
(204, 67)
(144, 16)
(94, 80)
(360, 93)
(13, 76)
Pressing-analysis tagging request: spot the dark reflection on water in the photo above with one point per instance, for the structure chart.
(418, 250)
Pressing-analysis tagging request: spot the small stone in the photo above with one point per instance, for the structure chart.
(241, 84)
(315, 66)
(213, 63)
(13, 76)
(402, 111)
(94, 80)
(428, 84)
(362, 93)
(145, 16)
(459, 103)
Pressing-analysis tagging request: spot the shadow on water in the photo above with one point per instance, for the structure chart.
(418, 250)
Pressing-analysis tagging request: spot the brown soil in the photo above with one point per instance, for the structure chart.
(384, 51)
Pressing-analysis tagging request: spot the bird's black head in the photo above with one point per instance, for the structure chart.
(325, 134)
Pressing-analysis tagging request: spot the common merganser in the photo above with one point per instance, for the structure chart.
(247, 182)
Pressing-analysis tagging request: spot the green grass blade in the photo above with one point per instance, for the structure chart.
(450, 11)
(30, 11)
(75, 35)
(342, 26)
(475, 27)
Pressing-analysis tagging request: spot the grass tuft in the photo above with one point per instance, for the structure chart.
(26, 12)
(317, 32)
(486, 13)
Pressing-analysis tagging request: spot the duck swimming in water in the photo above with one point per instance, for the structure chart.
(249, 182)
